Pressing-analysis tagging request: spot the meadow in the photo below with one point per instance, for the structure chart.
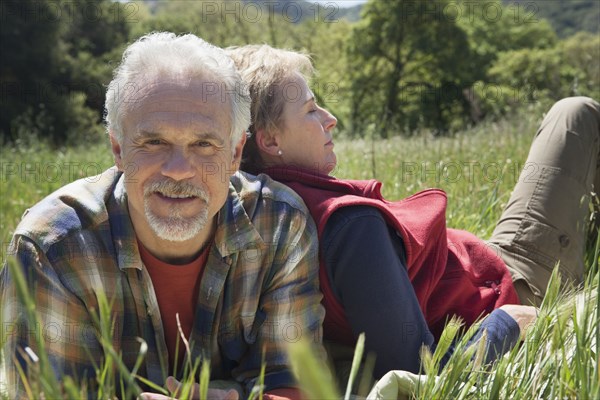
(477, 168)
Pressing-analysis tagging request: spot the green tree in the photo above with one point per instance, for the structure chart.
(582, 54)
(56, 63)
(492, 30)
(566, 17)
(547, 75)
(408, 62)
(27, 70)
(222, 23)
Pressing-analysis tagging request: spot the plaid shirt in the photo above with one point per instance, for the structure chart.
(259, 289)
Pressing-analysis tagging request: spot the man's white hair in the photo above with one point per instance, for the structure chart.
(166, 55)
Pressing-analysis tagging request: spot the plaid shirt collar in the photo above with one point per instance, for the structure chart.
(235, 232)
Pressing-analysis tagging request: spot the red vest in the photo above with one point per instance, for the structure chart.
(453, 272)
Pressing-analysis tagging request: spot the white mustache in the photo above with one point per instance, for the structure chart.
(172, 188)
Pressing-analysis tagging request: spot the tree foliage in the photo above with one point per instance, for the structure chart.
(409, 66)
(569, 69)
(55, 62)
(406, 65)
(426, 64)
(566, 17)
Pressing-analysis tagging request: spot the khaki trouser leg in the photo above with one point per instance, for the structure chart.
(546, 219)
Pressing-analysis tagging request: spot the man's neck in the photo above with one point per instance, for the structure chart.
(177, 252)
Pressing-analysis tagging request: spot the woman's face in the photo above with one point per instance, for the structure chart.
(305, 136)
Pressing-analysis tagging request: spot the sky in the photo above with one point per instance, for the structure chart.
(341, 3)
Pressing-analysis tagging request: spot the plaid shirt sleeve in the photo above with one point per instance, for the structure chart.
(290, 304)
(63, 326)
(58, 248)
(275, 289)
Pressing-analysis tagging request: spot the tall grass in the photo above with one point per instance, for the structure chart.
(477, 168)
(558, 359)
(30, 171)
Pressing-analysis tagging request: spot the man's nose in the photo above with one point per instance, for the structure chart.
(178, 165)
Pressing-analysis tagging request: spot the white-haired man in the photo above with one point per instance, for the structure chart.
(179, 242)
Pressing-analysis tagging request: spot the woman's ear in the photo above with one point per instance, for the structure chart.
(267, 143)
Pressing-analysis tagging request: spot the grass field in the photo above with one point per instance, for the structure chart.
(477, 169)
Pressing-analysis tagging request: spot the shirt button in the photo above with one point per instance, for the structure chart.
(564, 240)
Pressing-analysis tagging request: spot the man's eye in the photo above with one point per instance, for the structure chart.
(154, 142)
(203, 144)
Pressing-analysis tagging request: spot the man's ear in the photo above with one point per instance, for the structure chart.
(116, 149)
(267, 143)
(237, 153)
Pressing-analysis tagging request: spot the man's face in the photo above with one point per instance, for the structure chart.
(177, 158)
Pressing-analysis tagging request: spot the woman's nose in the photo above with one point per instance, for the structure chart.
(330, 121)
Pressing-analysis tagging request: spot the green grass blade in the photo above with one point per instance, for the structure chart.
(356, 361)
(44, 373)
(312, 375)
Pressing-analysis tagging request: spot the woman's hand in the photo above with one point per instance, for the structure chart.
(174, 386)
(524, 315)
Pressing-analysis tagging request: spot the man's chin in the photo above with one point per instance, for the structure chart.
(176, 229)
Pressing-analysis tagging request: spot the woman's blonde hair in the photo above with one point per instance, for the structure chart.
(266, 70)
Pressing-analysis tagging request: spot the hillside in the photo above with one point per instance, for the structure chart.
(566, 16)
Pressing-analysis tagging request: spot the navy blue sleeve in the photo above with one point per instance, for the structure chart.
(503, 333)
(364, 261)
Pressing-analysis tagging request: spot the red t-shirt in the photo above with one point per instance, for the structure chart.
(176, 288)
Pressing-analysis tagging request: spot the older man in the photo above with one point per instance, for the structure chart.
(178, 241)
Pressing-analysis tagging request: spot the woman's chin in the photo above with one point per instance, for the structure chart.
(329, 167)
